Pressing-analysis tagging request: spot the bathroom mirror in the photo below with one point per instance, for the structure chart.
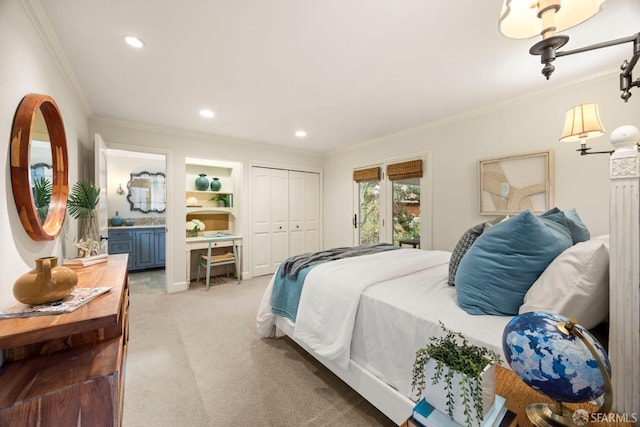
(39, 166)
(147, 192)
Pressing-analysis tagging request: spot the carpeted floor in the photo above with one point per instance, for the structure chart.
(195, 359)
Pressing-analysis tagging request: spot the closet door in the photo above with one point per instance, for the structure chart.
(297, 187)
(286, 216)
(279, 217)
(261, 214)
(311, 223)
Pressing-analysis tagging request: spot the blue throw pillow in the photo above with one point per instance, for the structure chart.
(557, 220)
(502, 264)
(579, 231)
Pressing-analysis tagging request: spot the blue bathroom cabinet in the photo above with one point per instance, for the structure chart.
(145, 246)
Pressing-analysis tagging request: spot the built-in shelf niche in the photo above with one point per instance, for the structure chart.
(215, 216)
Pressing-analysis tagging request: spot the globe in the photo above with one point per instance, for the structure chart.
(552, 362)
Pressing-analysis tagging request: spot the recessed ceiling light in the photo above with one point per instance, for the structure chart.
(301, 133)
(207, 113)
(134, 41)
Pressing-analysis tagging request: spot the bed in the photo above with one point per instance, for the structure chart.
(367, 333)
(376, 335)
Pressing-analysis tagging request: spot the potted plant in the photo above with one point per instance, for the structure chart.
(222, 198)
(42, 189)
(462, 377)
(82, 204)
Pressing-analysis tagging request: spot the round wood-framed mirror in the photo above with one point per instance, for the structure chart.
(41, 204)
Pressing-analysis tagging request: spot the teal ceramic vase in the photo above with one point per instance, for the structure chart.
(116, 220)
(216, 184)
(202, 182)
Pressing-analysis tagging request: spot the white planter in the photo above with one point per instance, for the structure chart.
(437, 396)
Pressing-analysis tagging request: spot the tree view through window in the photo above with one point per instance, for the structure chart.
(406, 210)
(369, 215)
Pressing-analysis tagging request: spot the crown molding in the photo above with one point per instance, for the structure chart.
(36, 13)
(144, 127)
(479, 112)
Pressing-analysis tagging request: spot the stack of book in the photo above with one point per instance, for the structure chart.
(425, 415)
(85, 261)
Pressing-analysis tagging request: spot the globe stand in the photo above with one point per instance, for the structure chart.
(558, 415)
(550, 415)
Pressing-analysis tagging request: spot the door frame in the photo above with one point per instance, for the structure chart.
(426, 200)
(382, 200)
(169, 212)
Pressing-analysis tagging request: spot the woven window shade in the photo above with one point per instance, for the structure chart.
(405, 170)
(369, 174)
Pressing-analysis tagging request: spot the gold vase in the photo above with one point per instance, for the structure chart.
(47, 282)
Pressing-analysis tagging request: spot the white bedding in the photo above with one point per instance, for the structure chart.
(397, 317)
(378, 310)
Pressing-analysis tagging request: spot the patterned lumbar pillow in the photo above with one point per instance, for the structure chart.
(461, 248)
(465, 243)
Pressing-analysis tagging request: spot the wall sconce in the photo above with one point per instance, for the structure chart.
(522, 19)
(583, 122)
(119, 190)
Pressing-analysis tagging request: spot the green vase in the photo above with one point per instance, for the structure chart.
(116, 219)
(202, 182)
(216, 184)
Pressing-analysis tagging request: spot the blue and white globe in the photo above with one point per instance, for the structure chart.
(556, 364)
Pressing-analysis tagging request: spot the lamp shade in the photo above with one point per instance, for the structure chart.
(581, 122)
(519, 20)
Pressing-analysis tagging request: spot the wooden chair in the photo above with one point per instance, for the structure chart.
(208, 261)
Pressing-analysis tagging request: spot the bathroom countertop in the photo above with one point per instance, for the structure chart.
(115, 227)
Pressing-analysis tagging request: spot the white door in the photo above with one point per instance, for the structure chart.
(279, 217)
(100, 159)
(261, 214)
(311, 216)
(296, 212)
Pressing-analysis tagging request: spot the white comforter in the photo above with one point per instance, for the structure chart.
(331, 294)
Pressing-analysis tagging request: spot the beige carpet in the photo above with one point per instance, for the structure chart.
(195, 359)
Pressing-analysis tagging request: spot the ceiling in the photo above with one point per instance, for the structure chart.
(345, 71)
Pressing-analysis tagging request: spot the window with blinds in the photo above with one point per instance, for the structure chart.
(369, 174)
(405, 170)
(388, 203)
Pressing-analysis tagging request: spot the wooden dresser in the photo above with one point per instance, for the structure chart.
(68, 369)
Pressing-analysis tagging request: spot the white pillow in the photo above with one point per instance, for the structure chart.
(575, 284)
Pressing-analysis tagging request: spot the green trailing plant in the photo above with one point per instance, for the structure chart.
(81, 204)
(452, 353)
(42, 189)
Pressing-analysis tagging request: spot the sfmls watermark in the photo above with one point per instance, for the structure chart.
(582, 417)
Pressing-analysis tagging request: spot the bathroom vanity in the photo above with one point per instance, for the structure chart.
(145, 245)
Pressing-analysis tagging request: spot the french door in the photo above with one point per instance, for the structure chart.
(368, 220)
(388, 204)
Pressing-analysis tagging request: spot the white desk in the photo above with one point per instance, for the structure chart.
(214, 241)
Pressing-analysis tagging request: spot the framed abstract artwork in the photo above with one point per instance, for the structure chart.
(512, 184)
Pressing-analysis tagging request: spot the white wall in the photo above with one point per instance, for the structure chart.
(178, 146)
(27, 66)
(120, 166)
(522, 126)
